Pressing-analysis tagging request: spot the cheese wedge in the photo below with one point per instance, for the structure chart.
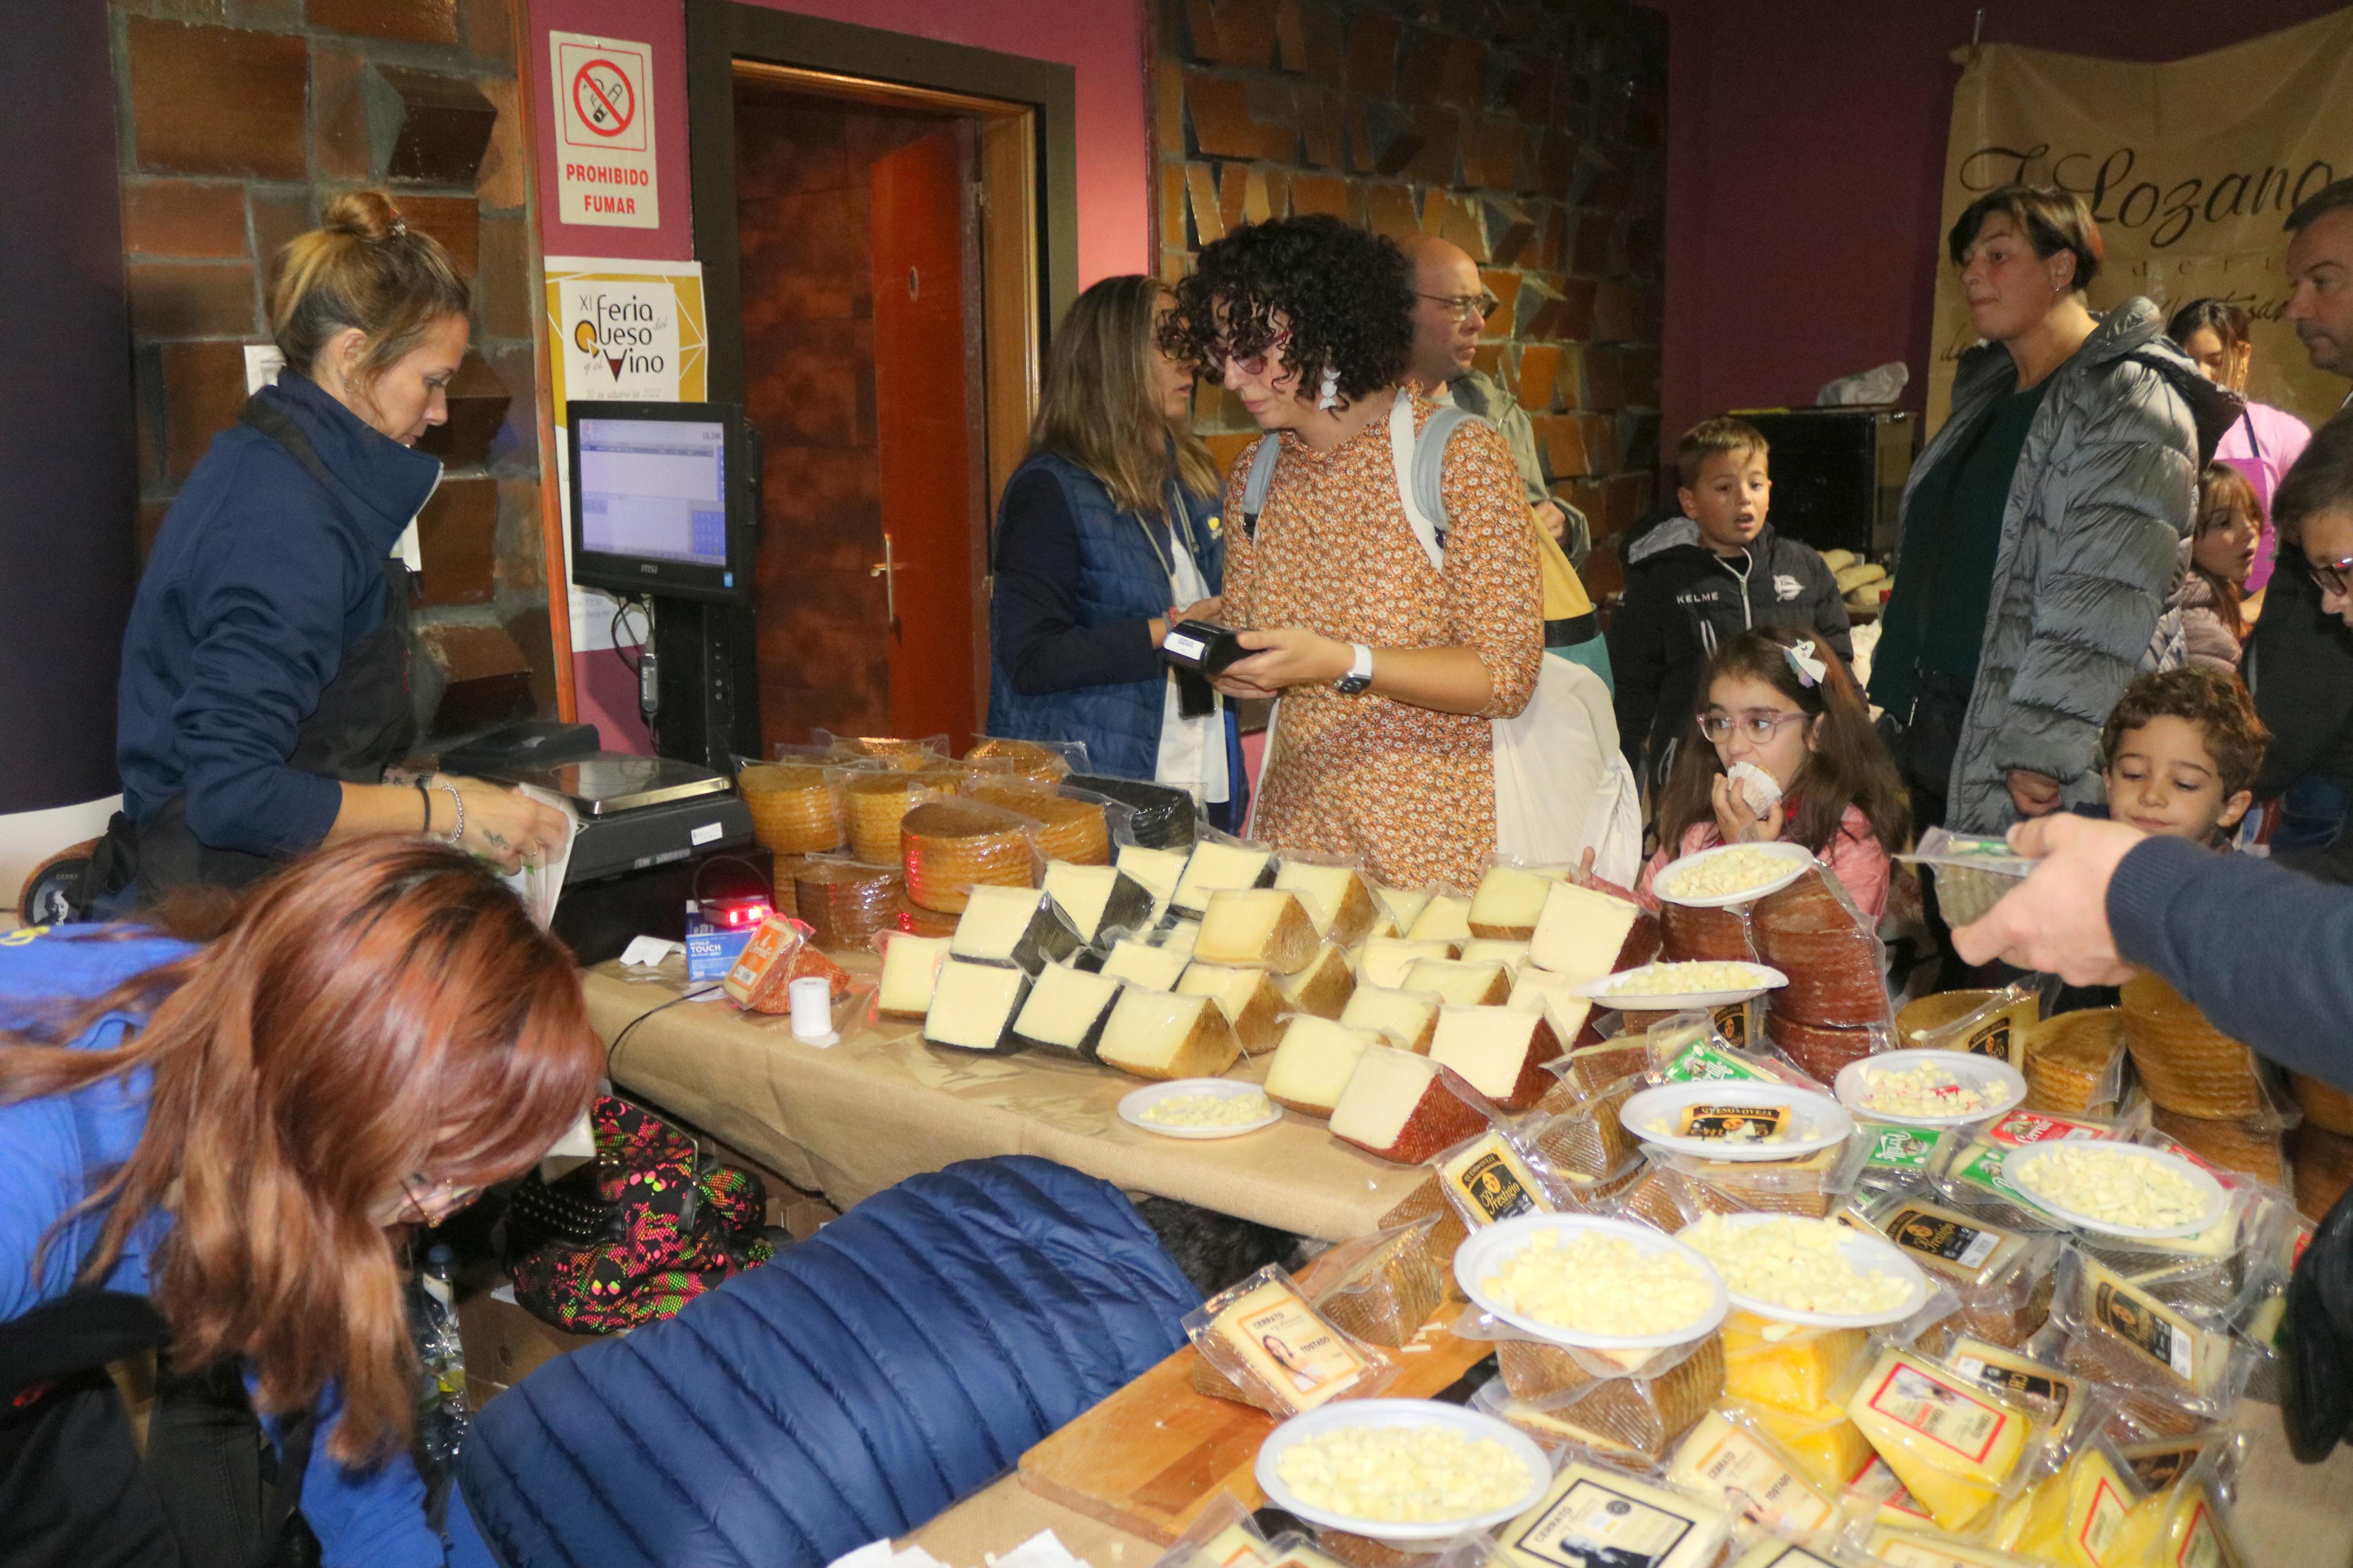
(1489, 1180)
(1551, 994)
(1159, 1035)
(1323, 987)
(1213, 866)
(1384, 960)
(1317, 1362)
(911, 967)
(1584, 935)
(1142, 964)
(1499, 1052)
(1312, 1064)
(2117, 1313)
(1495, 950)
(1765, 1364)
(1464, 984)
(973, 1005)
(1725, 1460)
(1337, 898)
(2078, 1517)
(1408, 1017)
(1158, 869)
(1445, 918)
(1263, 928)
(1593, 1517)
(1829, 1451)
(1508, 902)
(1182, 936)
(1066, 1011)
(1400, 1106)
(1952, 1445)
(1400, 907)
(1019, 926)
(1099, 899)
(1251, 999)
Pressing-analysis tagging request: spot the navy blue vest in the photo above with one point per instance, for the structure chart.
(1121, 578)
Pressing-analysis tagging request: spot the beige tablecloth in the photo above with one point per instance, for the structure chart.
(880, 1105)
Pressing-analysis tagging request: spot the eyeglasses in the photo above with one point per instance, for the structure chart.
(1256, 363)
(2332, 574)
(1462, 306)
(431, 1202)
(1757, 725)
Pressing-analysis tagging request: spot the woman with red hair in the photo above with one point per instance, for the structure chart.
(234, 1133)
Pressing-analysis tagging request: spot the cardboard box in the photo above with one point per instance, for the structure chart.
(503, 1342)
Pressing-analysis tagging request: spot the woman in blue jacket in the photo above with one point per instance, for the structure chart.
(1108, 534)
(265, 678)
(234, 1133)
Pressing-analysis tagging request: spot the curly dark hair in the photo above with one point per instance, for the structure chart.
(2217, 703)
(1346, 295)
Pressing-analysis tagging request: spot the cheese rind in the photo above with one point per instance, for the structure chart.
(1066, 1011)
(1499, 1052)
(1508, 903)
(1142, 964)
(1212, 867)
(1019, 926)
(1337, 899)
(1251, 999)
(951, 847)
(1586, 935)
(1260, 927)
(1159, 1035)
(911, 967)
(1158, 869)
(1399, 1107)
(1408, 1017)
(1323, 987)
(1099, 899)
(973, 1005)
(1464, 984)
(1312, 1064)
(1384, 960)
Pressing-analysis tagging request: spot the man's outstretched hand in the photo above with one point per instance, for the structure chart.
(2057, 919)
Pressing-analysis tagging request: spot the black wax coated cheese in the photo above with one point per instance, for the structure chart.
(1163, 817)
(1046, 937)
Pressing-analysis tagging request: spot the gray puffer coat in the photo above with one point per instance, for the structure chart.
(2089, 563)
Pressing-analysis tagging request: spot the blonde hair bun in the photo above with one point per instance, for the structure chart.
(363, 267)
(363, 215)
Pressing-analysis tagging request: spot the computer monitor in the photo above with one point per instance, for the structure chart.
(662, 499)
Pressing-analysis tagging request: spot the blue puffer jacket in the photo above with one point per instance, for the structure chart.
(851, 1390)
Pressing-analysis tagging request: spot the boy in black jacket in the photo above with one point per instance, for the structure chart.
(1695, 579)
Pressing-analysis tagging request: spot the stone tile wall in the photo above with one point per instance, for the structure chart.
(240, 119)
(1528, 131)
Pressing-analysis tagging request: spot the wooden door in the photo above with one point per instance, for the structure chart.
(924, 436)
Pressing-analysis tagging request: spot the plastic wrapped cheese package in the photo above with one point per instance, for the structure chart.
(1811, 1186)
(2206, 1274)
(1812, 932)
(1688, 1047)
(950, 847)
(1691, 935)
(1639, 1400)
(1160, 818)
(888, 751)
(2074, 1062)
(1042, 762)
(796, 808)
(2184, 1062)
(1959, 1449)
(1601, 1516)
(1821, 1050)
(1280, 1353)
(910, 968)
(875, 800)
(1382, 1288)
(1583, 1132)
(1066, 825)
(2084, 1508)
(844, 902)
(1992, 1024)
(2171, 1371)
(1968, 1170)
(2001, 1277)
(1220, 860)
(1734, 1461)
(1337, 893)
(2254, 1146)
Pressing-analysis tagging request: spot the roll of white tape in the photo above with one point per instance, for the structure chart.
(812, 1003)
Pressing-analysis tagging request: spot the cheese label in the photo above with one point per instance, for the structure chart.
(2201, 1544)
(2157, 1469)
(1709, 1061)
(1733, 1123)
(2136, 1321)
(1774, 1495)
(1491, 1178)
(2103, 1517)
(1592, 1522)
(1899, 1147)
(1992, 1040)
(1299, 1356)
(2024, 1126)
(1731, 1021)
(2015, 1376)
(1942, 1412)
(1934, 1237)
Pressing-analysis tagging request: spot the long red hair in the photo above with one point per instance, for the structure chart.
(381, 1009)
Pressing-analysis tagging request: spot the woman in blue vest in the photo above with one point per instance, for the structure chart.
(1107, 535)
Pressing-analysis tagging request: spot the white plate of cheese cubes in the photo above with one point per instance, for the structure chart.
(1344, 1417)
(1816, 1121)
(1484, 1255)
(1865, 1252)
(1179, 1096)
(1998, 1086)
(1730, 874)
(1699, 982)
(2135, 1165)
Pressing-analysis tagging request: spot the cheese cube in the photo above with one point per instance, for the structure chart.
(1337, 898)
(1099, 899)
(1249, 997)
(1313, 1062)
(1400, 907)
(1508, 902)
(973, 1005)
(1445, 918)
(1584, 935)
(1952, 1445)
(911, 967)
(1592, 1516)
(1142, 964)
(1399, 1106)
(1158, 869)
(1159, 1035)
(1499, 1052)
(1384, 960)
(1263, 928)
(1464, 984)
(1019, 926)
(1213, 866)
(1408, 1017)
(1323, 987)
(1066, 1011)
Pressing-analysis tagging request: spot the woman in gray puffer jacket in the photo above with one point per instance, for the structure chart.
(2042, 525)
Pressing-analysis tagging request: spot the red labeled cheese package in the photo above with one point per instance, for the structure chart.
(779, 953)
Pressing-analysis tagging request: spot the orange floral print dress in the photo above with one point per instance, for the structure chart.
(1408, 791)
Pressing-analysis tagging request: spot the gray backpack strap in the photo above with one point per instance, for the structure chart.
(1260, 480)
(1429, 461)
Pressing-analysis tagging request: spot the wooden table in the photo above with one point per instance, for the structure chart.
(855, 1118)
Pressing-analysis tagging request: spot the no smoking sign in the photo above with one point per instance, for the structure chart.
(604, 130)
(603, 98)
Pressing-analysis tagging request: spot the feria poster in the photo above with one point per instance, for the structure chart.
(2191, 166)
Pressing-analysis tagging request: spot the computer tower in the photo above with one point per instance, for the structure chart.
(1839, 473)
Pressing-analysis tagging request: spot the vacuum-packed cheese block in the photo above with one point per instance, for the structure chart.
(761, 977)
(1098, 899)
(1140, 963)
(1509, 902)
(1584, 1137)
(1586, 935)
(1019, 759)
(1721, 1458)
(1158, 869)
(1403, 1106)
(973, 1005)
(1512, 956)
(1487, 1180)
(1445, 918)
(1381, 1288)
(2325, 1106)
(1645, 1412)
(1952, 1445)
(1571, 1015)
(1066, 1011)
(877, 800)
(1160, 1035)
(844, 902)
(1499, 1051)
(1323, 987)
(2015, 1376)
(891, 751)
(1159, 817)
(1264, 928)
(2082, 1517)
(1018, 926)
(1182, 936)
(1408, 1017)
(1251, 1000)
(911, 967)
(1688, 934)
(2252, 1146)
(1911, 1549)
(1765, 1364)
(1829, 1451)
(1338, 899)
(1283, 1355)
(910, 916)
(1213, 866)
(1313, 1062)
(950, 847)
(797, 808)
(1400, 907)
(1384, 960)
(1464, 984)
(1594, 1517)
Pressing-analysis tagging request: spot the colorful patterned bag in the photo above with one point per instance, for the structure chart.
(673, 1226)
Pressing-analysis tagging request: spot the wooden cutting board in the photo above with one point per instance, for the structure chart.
(1150, 1456)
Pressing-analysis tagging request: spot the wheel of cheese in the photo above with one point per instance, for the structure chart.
(2071, 1061)
(1837, 978)
(911, 916)
(1646, 1414)
(796, 809)
(1924, 1015)
(1066, 828)
(876, 800)
(1820, 1049)
(907, 756)
(1813, 903)
(1160, 818)
(2251, 1146)
(950, 845)
(1017, 759)
(787, 867)
(1704, 936)
(2325, 1104)
(844, 902)
(2186, 1063)
(2324, 1168)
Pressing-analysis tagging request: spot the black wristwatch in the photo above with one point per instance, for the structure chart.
(1360, 672)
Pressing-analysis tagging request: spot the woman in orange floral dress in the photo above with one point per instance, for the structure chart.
(1308, 321)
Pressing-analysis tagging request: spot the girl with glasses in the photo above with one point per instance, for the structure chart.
(1782, 748)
